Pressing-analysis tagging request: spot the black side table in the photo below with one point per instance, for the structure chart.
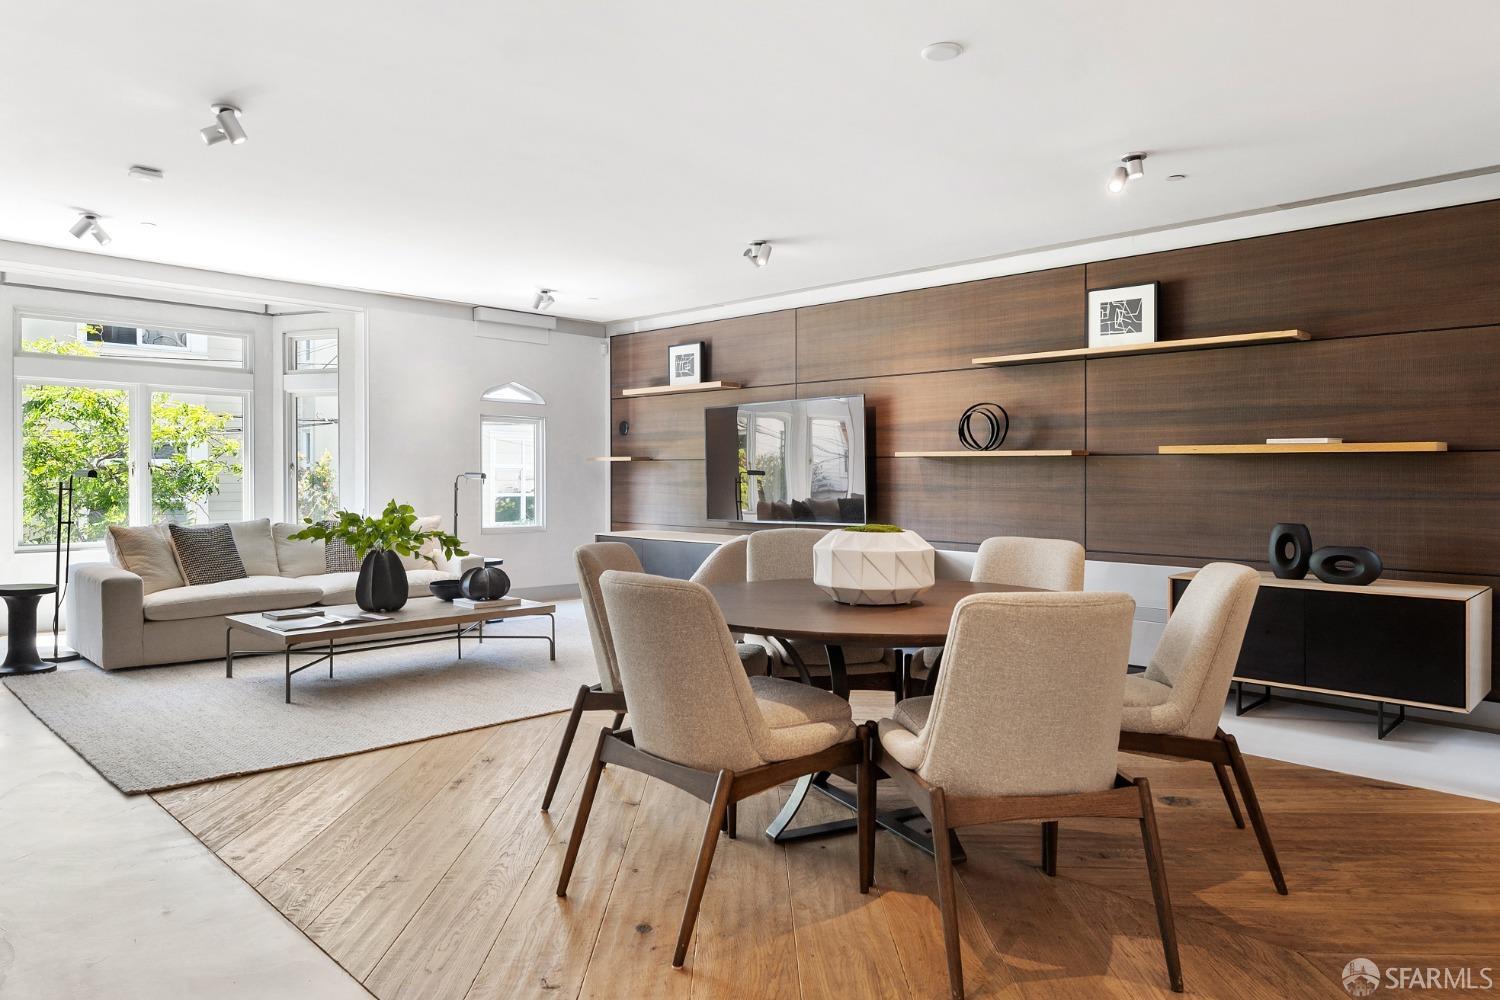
(21, 657)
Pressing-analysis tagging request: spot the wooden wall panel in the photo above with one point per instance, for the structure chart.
(750, 350)
(1411, 387)
(965, 501)
(1421, 513)
(657, 494)
(671, 427)
(934, 329)
(1424, 271)
(920, 412)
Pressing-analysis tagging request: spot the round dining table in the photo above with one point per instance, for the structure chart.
(799, 609)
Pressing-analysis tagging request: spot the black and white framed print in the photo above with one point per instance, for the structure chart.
(685, 364)
(1122, 315)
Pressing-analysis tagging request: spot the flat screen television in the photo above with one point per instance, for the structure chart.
(794, 461)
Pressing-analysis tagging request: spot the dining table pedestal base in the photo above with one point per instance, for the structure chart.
(895, 821)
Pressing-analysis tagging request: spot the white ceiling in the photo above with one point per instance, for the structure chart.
(623, 153)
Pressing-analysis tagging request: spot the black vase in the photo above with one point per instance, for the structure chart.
(1291, 549)
(382, 582)
(484, 583)
(1352, 565)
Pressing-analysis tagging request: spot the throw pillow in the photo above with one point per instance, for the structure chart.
(339, 557)
(303, 557)
(207, 554)
(146, 552)
(256, 546)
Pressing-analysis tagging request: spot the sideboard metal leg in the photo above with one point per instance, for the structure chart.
(1241, 706)
(1381, 729)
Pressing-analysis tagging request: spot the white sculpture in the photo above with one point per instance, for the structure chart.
(873, 564)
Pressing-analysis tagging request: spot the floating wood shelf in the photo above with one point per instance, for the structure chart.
(619, 458)
(1015, 453)
(1158, 347)
(1347, 448)
(668, 390)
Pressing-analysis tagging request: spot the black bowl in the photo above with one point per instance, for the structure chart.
(444, 590)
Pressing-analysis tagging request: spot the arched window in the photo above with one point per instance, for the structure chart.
(512, 392)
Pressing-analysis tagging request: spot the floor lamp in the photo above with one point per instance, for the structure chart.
(480, 476)
(62, 557)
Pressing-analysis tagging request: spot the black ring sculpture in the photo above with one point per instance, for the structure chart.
(999, 426)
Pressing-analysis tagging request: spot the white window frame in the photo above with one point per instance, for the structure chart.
(289, 351)
(540, 423)
(247, 345)
(289, 420)
(247, 444)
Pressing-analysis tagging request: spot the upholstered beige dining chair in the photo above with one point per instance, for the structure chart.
(697, 722)
(727, 564)
(1022, 727)
(1173, 709)
(1043, 563)
(592, 561)
(787, 554)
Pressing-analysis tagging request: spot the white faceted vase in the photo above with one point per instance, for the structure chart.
(873, 567)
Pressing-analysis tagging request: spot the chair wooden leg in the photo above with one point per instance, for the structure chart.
(569, 731)
(1234, 807)
(585, 804)
(1158, 872)
(1049, 847)
(619, 719)
(716, 813)
(731, 820)
(1252, 806)
(865, 784)
(947, 900)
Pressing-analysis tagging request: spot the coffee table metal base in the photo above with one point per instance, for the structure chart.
(473, 631)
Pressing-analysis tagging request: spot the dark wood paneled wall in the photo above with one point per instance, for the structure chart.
(1405, 317)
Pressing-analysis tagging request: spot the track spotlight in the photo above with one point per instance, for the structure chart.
(87, 223)
(758, 253)
(1132, 167)
(226, 126)
(543, 300)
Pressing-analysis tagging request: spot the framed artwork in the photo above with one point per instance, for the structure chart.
(1122, 315)
(685, 364)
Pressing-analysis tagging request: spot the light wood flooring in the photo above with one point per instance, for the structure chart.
(427, 871)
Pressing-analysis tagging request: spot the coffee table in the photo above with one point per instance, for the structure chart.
(422, 614)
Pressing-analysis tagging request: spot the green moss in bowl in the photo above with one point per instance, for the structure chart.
(876, 529)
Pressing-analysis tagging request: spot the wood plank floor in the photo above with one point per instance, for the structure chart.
(427, 871)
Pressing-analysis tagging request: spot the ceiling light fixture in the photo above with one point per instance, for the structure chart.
(1132, 167)
(226, 126)
(942, 51)
(88, 223)
(758, 253)
(544, 299)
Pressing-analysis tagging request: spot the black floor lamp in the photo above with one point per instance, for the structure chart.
(63, 557)
(480, 476)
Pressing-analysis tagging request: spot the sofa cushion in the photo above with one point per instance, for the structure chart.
(206, 553)
(147, 552)
(231, 597)
(303, 557)
(432, 522)
(256, 545)
(338, 588)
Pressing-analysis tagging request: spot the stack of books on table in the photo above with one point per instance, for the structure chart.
(495, 605)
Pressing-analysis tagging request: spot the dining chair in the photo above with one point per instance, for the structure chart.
(1043, 563)
(1022, 727)
(700, 724)
(787, 554)
(726, 564)
(1173, 709)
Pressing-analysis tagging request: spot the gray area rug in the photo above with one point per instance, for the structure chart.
(160, 727)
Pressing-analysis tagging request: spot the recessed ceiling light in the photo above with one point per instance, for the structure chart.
(141, 173)
(942, 51)
(146, 224)
(88, 223)
(1177, 177)
(226, 126)
(758, 253)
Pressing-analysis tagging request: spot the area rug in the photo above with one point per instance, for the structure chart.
(154, 728)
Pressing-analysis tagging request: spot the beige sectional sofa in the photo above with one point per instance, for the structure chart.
(122, 618)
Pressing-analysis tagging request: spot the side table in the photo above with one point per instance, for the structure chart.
(21, 656)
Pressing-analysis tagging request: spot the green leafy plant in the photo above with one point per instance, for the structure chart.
(876, 529)
(395, 530)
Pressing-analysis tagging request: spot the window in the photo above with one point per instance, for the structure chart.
(511, 452)
(314, 469)
(125, 342)
(313, 351)
(67, 429)
(512, 392)
(197, 457)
